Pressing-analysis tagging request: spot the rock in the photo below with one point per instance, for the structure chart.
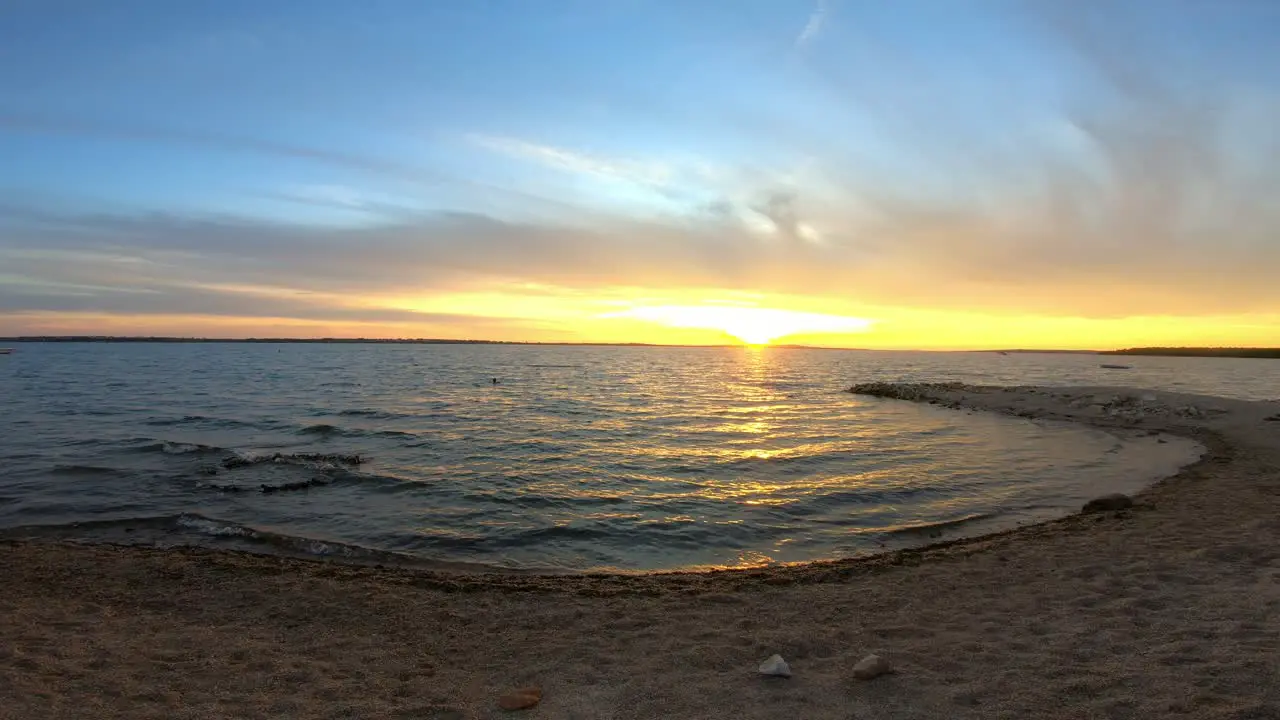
(1273, 418)
(871, 666)
(1116, 501)
(521, 699)
(775, 666)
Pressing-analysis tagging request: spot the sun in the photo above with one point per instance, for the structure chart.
(755, 334)
(752, 325)
(753, 337)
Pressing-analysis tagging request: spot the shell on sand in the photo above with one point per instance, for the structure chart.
(521, 699)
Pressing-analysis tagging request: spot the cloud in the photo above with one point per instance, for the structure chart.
(1068, 243)
(814, 24)
(37, 123)
(654, 174)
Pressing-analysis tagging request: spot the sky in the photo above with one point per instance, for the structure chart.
(931, 174)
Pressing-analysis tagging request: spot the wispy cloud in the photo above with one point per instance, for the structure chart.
(641, 172)
(814, 25)
(37, 123)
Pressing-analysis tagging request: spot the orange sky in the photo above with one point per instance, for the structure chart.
(687, 319)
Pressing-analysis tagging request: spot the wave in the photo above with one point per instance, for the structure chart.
(192, 529)
(391, 433)
(654, 532)
(369, 413)
(197, 420)
(302, 458)
(181, 448)
(175, 448)
(326, 468)
(933, 528)
(86, 470)
(208, 526)
(442, 539)
(540, 501)
(270, 488)
(327, 430)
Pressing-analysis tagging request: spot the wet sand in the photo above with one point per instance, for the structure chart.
(1169, 609)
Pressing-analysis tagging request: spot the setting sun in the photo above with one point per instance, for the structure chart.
(751, 325)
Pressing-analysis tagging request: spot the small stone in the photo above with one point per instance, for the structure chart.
(521, 699)
(775, 666)
(1116, 501)
(871, 666)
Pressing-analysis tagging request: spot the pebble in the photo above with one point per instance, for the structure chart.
(871, 666)
(521, 699)
(775, 666)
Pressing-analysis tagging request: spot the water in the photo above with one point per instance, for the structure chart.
(581, 458)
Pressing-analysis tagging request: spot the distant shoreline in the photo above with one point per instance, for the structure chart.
(1198, 352)
(453, 341)
(1140, 351)
(365, 341)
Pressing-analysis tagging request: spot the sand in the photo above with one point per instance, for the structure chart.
(1170, 609)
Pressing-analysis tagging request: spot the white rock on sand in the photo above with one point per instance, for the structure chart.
(871, 666)
(775, 666)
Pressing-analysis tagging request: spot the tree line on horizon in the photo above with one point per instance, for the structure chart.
(1199, 352)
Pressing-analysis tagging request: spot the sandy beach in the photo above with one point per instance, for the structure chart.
(1168, 609)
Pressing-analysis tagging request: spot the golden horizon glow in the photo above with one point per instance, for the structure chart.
(752, 325)
(674, 317)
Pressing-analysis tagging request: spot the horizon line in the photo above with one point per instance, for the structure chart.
(464, 341)
(567, 343)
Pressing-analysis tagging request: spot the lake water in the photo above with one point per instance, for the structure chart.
(579, 458)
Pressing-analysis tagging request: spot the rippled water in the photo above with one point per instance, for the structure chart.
(581, 457)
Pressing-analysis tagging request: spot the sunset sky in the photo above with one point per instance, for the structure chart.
(940, 175)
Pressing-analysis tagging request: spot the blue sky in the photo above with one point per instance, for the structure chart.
(858, 127)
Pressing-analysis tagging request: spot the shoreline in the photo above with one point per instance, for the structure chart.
(1169, 608)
